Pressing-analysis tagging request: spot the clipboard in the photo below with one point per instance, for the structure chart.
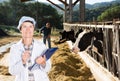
(48, 53)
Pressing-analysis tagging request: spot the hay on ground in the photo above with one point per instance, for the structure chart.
(67, 66)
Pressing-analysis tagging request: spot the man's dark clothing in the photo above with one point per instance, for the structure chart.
(46, 32)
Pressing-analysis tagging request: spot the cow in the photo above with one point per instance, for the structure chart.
(66, 35)
(89, 39)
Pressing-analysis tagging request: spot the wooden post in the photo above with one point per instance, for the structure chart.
(82, 10)
(114, 51)
(65, 13)
(118, 49)
(70, 11)
(107, 60)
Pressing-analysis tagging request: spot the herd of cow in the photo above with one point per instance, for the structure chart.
(84, 39)
(87, 40)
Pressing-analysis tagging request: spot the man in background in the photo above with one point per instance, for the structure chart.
(46, 30)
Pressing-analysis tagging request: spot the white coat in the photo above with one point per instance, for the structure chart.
(17, 68)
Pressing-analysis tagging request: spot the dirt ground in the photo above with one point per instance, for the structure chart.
(66, 66)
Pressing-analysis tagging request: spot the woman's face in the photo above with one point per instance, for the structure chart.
(27, 30)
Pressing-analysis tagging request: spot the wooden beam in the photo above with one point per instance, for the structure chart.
(75, 2)
(65, 13)
(118, 49)
(70, 11)
(55, 5)
(82, 10)
(64, 2)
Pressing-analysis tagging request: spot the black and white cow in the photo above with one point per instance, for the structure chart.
(84, 39)
(67, 35)
(89, 39)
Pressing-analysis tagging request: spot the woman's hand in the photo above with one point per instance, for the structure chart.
(25, 56)
(41, 60)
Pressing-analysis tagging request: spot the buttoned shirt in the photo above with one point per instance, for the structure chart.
(17, 68)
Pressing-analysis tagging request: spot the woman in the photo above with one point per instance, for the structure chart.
(27, 52)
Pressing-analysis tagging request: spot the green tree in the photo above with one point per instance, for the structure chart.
(110, 14)
(5, 13)
(11, 12)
